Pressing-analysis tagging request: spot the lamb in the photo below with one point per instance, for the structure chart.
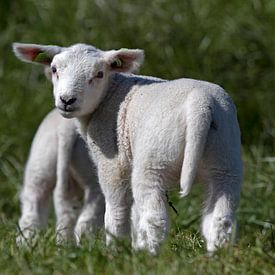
(148, 135)
(59, 155)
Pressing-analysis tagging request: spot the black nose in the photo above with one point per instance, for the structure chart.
(68, 102)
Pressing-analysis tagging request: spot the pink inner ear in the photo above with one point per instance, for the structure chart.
(29, 53)
(127, 60)
(127, 57)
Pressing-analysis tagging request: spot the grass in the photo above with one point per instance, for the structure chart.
(228, 43)
(183, 252)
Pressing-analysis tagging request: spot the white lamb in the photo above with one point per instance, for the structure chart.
(59, 157)
(147, 135)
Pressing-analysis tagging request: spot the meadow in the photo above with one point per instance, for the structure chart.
(230, 43)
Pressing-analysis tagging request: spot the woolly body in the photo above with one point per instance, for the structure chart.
(59, 159)
(147, 135)
(143, 133)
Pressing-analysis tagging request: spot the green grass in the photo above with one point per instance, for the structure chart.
(183, 252)
(230, 43)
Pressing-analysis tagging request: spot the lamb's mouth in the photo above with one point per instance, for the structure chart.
(67, 112)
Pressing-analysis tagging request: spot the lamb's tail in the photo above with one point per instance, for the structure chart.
(198, 122)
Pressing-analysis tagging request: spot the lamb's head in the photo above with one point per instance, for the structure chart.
(80, 73)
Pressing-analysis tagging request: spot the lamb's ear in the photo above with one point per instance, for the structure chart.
(35, 53)
(124, 60)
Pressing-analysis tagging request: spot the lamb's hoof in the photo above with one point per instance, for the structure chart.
(26, 238)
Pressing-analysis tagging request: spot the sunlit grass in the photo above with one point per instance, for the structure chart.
(183, 252)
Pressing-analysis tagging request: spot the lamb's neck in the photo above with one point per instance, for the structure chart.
(82, 125)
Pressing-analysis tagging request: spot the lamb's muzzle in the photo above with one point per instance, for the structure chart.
(68, 101)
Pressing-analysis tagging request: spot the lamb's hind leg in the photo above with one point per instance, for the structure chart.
(219, 214)
(151, 220)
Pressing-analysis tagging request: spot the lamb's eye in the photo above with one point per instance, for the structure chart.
(99, 74)
(54, 69)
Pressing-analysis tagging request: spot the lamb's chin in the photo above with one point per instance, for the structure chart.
(66, 114)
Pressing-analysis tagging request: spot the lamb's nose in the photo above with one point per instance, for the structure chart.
(68, 102)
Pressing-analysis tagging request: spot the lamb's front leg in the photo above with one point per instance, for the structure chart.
(34, 206)
(39, 180)
(67, 204)
(91, 217)
(67, 193)
(150, 220)
(118, 201)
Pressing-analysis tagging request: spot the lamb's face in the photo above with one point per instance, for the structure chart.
(80, 73)
(79, 79)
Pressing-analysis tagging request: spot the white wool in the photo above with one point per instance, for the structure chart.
(59, 159)
(148, 135)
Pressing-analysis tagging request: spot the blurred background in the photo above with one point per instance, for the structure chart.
(230, 43)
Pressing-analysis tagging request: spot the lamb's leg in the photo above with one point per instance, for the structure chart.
(92, 214)
(39, 180)
(134, 224)
(67, 193)
(118, 207)
(218, 218)
(91, 217)
(67, 203)
(34, 204)
(149, 199)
